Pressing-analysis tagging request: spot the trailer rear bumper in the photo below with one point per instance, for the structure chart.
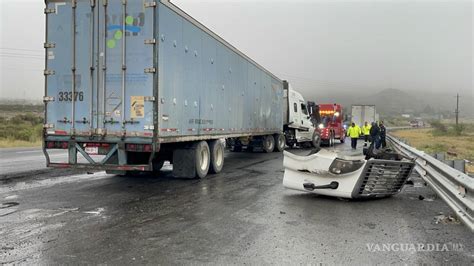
(101, 167)
(102, 155)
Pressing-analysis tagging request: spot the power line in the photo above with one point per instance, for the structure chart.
(21, 56)
(21, 49)
(17, 54)
(25, 69)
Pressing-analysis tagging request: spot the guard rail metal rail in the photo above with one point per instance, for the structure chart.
(453, 186)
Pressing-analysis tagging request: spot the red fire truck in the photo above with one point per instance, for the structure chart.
(328, 119)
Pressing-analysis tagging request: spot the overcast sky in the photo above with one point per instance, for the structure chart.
(317, 45)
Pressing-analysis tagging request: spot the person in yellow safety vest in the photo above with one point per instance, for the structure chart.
(354, 133)
(366, 132)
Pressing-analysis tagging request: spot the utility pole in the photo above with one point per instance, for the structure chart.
(457, 109)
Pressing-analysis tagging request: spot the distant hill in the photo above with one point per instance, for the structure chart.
(395, 101)
(20, 102)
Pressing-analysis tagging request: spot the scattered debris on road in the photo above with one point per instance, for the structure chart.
(446, 219)
(421, 197)
(328, 173)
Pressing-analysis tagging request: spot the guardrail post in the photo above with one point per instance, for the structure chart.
(453, 186)
(459, 165)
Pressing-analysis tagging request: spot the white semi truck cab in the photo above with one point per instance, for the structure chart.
(297, 125)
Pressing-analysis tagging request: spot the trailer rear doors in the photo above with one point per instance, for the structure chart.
(108, 46)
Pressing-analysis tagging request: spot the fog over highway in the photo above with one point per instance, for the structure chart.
(174, 131)
(320, 46)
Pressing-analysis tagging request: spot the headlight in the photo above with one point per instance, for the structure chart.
(344, 126)
(336, 114)
(321, 126)
(340, 166)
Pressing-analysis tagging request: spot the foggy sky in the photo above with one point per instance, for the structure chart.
(323, 46)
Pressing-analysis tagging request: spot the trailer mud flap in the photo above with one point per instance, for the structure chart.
(184, 163)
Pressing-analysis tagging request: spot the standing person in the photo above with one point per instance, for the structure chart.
(375, 136)
(366, 132)
(383, 134)
(353, 132)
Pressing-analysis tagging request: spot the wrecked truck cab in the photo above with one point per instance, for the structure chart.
(353, 177)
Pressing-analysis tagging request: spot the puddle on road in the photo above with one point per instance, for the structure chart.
(30, 184)
(7, 208)
(97, 211)
(10, 197)
(26, 233)
(8, 204)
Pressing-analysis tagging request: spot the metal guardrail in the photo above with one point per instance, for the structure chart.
(453, 186)
(406, 128)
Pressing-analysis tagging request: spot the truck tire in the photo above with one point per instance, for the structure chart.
(203, 158)
(217, 156)
(268, 143)
(331, 140)
(343, 138)
(316, 140)
(290, 138)
(280, 142)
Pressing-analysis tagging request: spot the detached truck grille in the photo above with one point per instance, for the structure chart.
(382, 178)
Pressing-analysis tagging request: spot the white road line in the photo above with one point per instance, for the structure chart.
(28, 151)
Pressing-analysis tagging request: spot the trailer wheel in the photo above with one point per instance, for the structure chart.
(280, 142)
(268, 143)
(203, 158)
(217, 156)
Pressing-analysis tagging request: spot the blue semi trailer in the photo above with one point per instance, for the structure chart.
(130, 84)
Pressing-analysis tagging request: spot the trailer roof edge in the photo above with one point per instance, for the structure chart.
(198, 24)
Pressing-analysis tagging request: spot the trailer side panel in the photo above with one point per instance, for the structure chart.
(207, 88)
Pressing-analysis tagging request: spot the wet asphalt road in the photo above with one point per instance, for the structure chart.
(16, 160)
(241, 216)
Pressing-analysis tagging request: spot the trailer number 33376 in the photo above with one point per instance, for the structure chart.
(66, 96)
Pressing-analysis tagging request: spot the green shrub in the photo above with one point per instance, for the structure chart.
(459, 129)
(435, 148)
(26, 127)
(24, 134)
(438, 128)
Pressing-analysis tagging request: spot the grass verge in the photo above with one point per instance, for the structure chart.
(5, 143)
(430, 141)
(21, 130)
